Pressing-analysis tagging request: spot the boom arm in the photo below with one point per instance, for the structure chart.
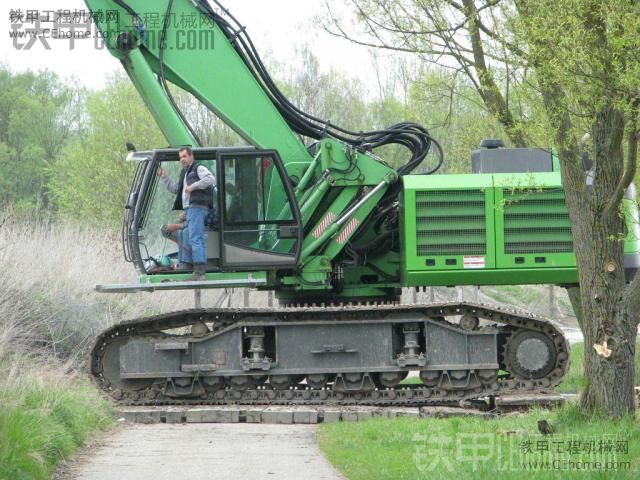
(190, 51)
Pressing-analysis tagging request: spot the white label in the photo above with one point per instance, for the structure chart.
(473, 262)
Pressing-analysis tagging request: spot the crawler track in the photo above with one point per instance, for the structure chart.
(509, 324)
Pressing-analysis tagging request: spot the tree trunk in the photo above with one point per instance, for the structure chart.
(611, 380)
(605, 320)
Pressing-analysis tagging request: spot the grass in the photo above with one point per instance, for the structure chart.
(406, 448)
(54, 267)
(48, 407)
(532, 298)
(45, 420)
(49, 316)
(477, 448)
(574, 380)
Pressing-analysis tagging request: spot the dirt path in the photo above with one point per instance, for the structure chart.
(204, 452)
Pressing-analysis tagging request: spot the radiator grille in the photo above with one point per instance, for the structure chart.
(536, 221)
(451, 222)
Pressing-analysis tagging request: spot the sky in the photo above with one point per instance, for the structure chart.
(276, 27)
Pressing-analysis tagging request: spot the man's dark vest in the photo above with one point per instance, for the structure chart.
(201, 198)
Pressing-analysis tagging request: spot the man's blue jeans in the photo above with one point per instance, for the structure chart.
(196, 217)
(184, 249)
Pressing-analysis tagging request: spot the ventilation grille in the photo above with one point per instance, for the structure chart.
(536, 221)
(451, 222)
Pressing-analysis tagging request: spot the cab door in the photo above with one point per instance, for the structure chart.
(260, 222)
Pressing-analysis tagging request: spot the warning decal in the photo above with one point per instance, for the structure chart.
(473, 262)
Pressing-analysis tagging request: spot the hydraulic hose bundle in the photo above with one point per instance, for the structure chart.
(410, 135)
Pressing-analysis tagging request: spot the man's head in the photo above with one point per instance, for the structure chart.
(186, 156)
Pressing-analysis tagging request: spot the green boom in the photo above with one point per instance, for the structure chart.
(209, 69)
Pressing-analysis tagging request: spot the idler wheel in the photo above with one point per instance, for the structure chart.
(530, 355)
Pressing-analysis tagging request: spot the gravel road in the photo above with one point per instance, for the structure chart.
(204, 452)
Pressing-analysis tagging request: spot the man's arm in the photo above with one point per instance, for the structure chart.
(206, 179)
(171, 185)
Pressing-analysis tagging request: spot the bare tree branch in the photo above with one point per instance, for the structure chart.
(512, 47)
(565, 139)
(632, 160)
(489, 89)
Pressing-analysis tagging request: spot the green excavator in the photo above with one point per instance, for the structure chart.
(309, 212)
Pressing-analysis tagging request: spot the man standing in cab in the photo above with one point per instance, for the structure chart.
(194, 194)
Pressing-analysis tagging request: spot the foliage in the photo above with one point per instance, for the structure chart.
(329, 94)
(457, 120)
(81, 135)
(91, 179)
(473, 45)
(39, 114)
(211, 130)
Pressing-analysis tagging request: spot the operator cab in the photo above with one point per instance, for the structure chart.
(255, 223)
